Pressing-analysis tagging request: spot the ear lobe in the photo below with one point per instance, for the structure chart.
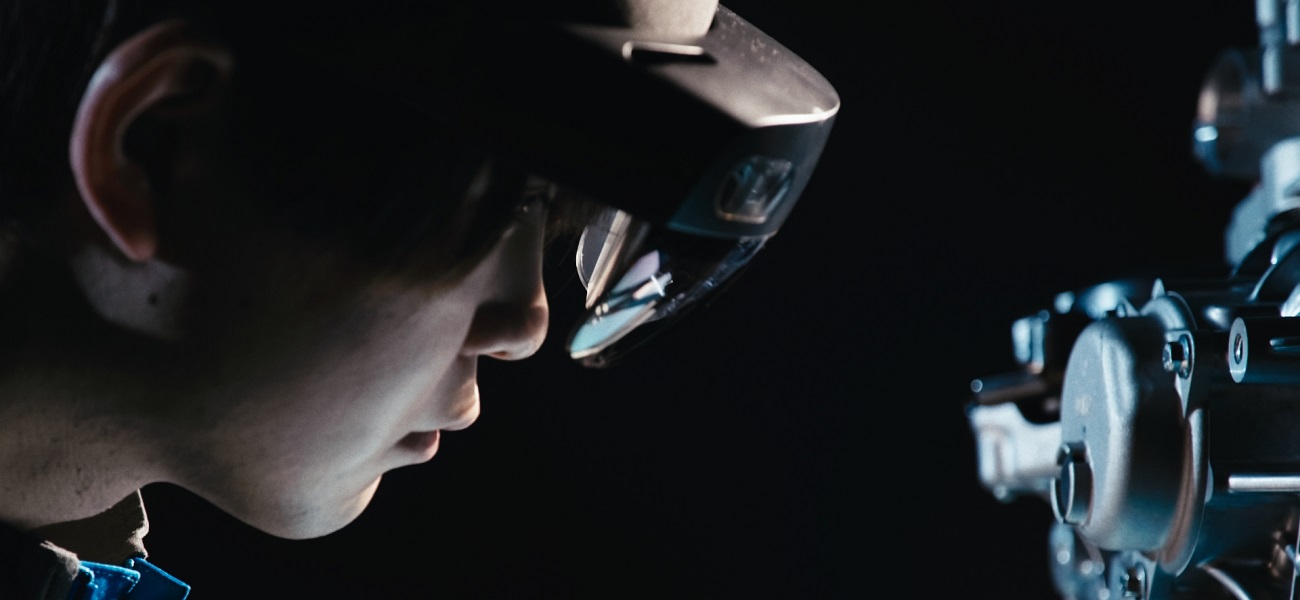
(150, 72)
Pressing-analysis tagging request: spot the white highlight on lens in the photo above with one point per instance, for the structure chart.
(1206, 133)
(630, 303)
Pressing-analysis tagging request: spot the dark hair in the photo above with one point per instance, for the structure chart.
(48, 51)
(379, 180)
(323, 165)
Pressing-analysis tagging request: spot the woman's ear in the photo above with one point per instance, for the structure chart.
(673, 19)
(167, 71)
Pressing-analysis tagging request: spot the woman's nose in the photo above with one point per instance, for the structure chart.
(511, 319)
(508, 330)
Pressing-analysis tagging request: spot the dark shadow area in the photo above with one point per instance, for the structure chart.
(804, 436)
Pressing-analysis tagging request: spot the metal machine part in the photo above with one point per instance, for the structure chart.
(1160, 419)
(1164, 441)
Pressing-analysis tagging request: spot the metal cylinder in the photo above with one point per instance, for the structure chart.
(1122, 429)
(1264, 350)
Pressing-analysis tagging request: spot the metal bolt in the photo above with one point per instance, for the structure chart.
(1170, 359)
(1178, 356)
(1072, 494)
(1132, 582)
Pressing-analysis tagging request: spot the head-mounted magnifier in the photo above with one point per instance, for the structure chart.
(699, 148)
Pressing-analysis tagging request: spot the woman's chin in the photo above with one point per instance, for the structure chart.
(313, 520)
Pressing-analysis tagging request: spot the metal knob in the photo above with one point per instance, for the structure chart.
(1072, 494)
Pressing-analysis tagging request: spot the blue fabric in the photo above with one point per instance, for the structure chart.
(136, 580)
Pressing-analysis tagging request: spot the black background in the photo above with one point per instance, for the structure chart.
(805, 436)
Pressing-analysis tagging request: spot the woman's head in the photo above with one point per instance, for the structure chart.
(269, 281)
(274, 294)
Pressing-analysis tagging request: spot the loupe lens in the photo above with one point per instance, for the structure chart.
(637, 274)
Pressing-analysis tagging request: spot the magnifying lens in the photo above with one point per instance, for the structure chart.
(698, 148)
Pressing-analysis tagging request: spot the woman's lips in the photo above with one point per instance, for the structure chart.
(464, 411)
(423, 443)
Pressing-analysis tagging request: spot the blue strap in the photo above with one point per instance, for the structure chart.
(156, 584)
(97, 581)
(136, 580)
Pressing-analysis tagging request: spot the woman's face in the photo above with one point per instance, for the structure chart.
(311, 374)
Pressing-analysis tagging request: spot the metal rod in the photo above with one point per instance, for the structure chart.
(1263, 482)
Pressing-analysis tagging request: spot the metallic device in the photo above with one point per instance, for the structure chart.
(698, 147)
(1160, 418)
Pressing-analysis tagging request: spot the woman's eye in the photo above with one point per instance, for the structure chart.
(532, 206)
(536, 202)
